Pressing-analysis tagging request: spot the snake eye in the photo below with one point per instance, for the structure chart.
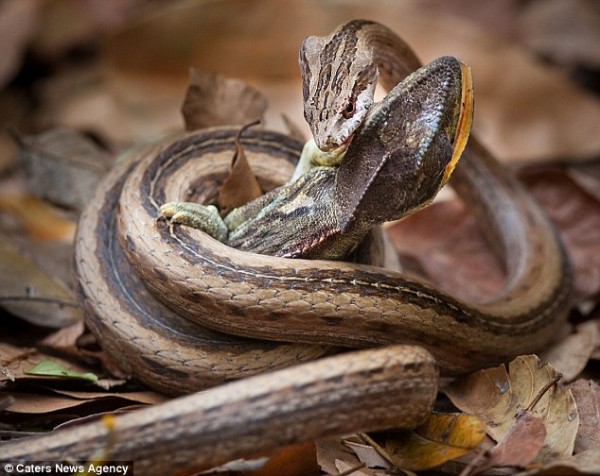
(349, 108)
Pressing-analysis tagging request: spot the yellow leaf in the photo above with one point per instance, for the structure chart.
(441, 438)
(464, 431)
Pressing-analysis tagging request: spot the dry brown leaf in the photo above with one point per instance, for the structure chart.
(570, 355)
(344, 468)
(587, 396)
(577, 215)
(65, 340)
(63, 166)
(586, 462)
(241, 185)
(30, 293)
(214, 100)
(519, 446)
(497, 397)
(335, 456)
(330, 450)
(32, 402)
(369, 454)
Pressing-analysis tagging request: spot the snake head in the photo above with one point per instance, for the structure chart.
(338, 87)
(406, 149)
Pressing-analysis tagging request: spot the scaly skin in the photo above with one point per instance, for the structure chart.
(277, 298)
(403, 156)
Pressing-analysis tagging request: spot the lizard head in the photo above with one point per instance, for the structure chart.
(338, 87)
(407, 147)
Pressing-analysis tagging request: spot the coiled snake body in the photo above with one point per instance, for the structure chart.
(315, 303)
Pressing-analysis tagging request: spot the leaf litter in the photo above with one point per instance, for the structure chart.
(133, 102)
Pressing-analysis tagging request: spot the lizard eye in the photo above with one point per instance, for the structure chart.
(349, 108)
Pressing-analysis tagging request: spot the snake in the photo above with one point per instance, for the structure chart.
(266, 389)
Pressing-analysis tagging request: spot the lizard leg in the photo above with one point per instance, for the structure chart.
(205, 218)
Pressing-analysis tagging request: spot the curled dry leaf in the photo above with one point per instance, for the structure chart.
(64, 340)
(570, 355)
(339, 455)
(213, 100)
(587, 396)
(56, 400)
(241, 185)
(63, 166)
(497, 397)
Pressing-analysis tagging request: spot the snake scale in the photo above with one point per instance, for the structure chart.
(133, 271)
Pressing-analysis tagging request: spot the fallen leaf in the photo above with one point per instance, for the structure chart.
(38, 402)
(213, 100)
(332, 450)
(342, 467)
(38, 219)
(63, 166)
(520, 445)
(570, 355)
(497, 397)
(441, 438)
(118, 108)
(64, 340)
(241, 185)
(30, 293)
(586, 462)
(20, 361)
(51, 368)
(464, 431)
(587, 396)
(369, 454)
